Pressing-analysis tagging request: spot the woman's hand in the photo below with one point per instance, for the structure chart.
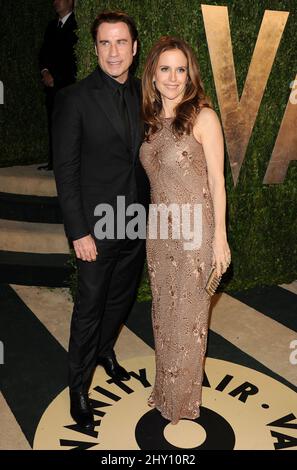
(221, 257)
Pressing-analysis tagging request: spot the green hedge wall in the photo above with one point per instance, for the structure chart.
(262, 219)
(23, 128)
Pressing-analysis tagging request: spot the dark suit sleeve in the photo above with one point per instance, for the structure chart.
(67, 136)
(44, 57)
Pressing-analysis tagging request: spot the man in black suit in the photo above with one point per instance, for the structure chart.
(97, 133)
(57, 61)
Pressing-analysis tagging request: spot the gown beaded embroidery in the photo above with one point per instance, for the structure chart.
(177, 171)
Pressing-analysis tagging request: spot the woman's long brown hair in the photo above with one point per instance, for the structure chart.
(194, 96)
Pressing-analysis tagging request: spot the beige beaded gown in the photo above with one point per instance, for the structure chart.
(177, 171)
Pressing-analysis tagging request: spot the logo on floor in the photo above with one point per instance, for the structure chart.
(241, 409)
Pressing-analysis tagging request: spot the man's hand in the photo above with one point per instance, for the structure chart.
(85, 248)
(47, 79)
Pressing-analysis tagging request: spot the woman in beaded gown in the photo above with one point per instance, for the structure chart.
(183, 155)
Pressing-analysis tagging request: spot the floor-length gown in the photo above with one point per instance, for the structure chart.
(176, 168)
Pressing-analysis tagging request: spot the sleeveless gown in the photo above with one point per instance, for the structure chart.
(177, 171)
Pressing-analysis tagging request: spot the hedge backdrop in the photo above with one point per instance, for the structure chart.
(23, 132)
(262, 220)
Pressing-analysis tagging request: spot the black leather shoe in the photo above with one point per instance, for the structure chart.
(81, 410)
(113, 368)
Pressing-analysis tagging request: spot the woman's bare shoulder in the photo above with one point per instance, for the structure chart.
(207, 122)
(206, 114)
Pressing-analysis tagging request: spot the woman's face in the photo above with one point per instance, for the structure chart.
(171, 74)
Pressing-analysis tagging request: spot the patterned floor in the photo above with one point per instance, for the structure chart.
(249, 393)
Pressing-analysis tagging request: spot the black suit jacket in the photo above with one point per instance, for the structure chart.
(92, 162)
(57, 52)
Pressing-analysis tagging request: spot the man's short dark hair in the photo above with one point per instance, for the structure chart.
(114, 17)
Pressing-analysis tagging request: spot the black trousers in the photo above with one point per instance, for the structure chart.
(106, 292)
(49, 103)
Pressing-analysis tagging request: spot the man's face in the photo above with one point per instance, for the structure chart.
(115, 50)
(62, 6)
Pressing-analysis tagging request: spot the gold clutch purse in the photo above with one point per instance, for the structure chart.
(212, 282)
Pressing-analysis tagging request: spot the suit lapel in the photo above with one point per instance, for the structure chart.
(70, 23)
(107, 105)
(135, 118)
